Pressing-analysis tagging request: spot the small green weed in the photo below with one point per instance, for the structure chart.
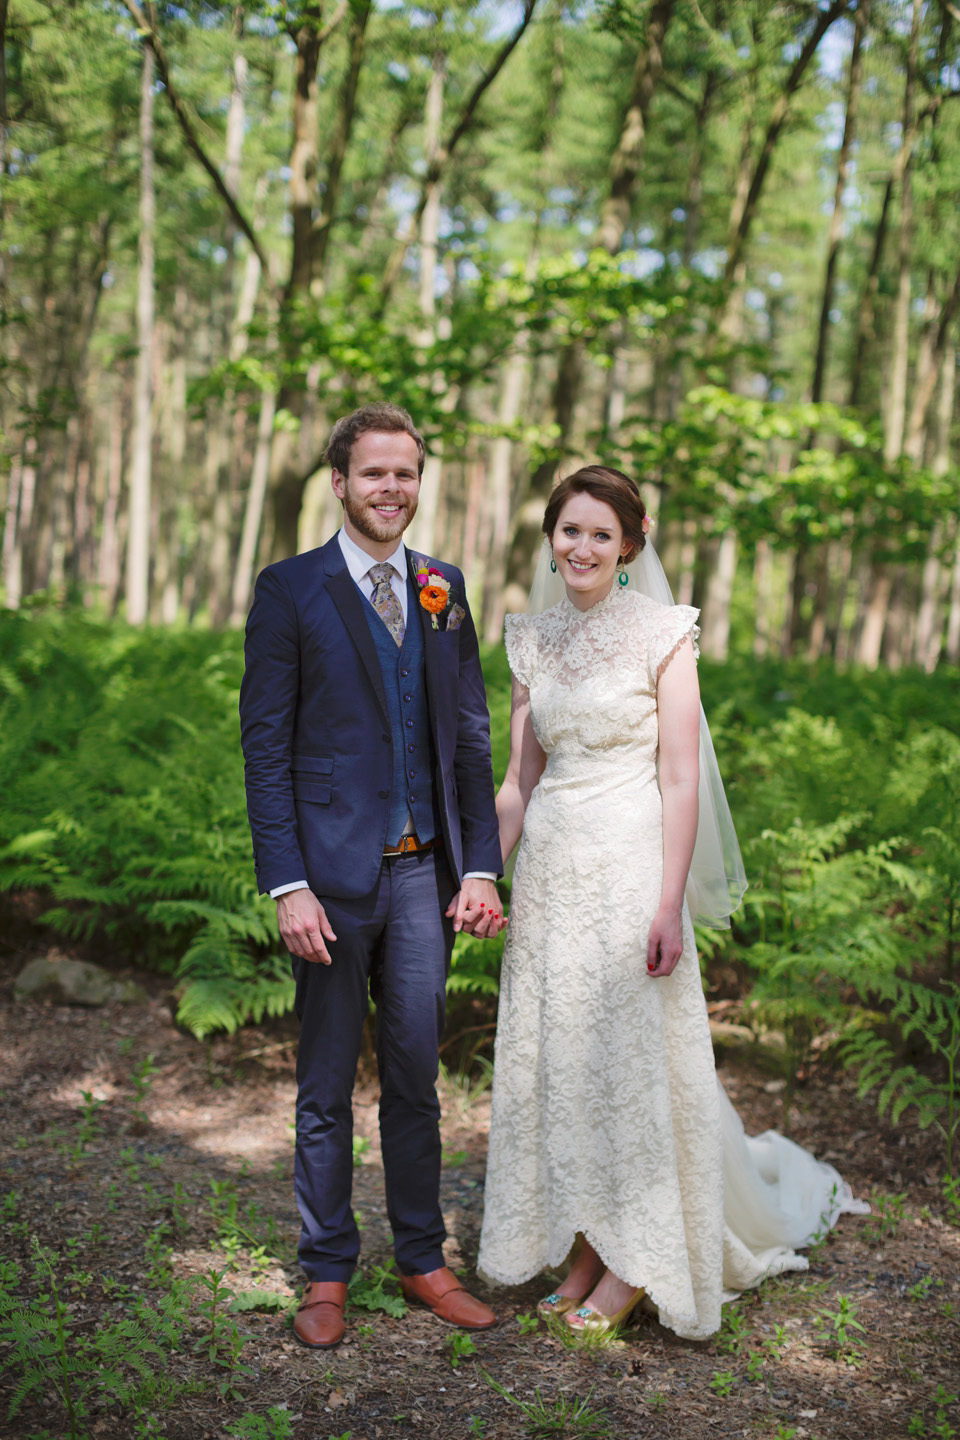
(836, 1325)
(885, 1217)
(360, 1147)
(275, 1425)
(734, 1332)
(722, 1383)
(369, 1292)
(462, 1347)
(565, 1417)
(89, 1124)
(529, 1324)
(142, 1080)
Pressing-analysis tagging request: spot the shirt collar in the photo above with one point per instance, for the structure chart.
(359, 562)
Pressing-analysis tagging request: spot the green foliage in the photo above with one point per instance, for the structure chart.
(47, 1353)
(121, 777)
(462, 1347)
(371, 1292)
(565, 1416)
(275, 1425)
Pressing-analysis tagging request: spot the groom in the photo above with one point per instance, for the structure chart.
(370, 795)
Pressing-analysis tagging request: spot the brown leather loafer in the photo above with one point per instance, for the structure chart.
(442, 1293)
(319, 1318)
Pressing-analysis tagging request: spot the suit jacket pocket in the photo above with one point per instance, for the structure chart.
(312, 791)
(311, 765)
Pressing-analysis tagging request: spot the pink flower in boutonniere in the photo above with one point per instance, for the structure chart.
(422, 571)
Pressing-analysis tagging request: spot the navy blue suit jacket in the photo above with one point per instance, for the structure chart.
(316, 737)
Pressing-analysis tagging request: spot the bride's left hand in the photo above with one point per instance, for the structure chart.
(665, 945)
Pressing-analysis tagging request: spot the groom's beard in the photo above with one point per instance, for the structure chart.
(367, 521)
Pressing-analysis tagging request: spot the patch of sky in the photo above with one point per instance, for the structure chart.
(678, 214)
(774, 279)
(710, 262)
(831, 123)
(220, 255)
(260, 25)
(398, 71)
(285, 173)
(755, 299)
(640, 263)
(645, 234)
(107, 281)
(892, 134)
(833, 52)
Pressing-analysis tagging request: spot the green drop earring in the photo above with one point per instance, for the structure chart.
(553, 565)
(622, 578)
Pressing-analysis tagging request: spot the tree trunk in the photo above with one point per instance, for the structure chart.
(952, 641)
(762, 600)
(337, 150)
(929, 372)
(895, 407)
(715, 638)
(775, 124)
(835, 233)
(138, 535)
(866, 328)
(13, 535)
(253, 511)
(875, 617)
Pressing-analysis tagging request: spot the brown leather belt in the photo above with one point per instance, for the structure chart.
(409, 845)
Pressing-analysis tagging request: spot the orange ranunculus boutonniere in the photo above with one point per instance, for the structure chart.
(434, 591)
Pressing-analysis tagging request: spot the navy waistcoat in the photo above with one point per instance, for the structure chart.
(411, 791)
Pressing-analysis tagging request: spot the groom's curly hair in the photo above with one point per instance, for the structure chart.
(380, 417)
(614, 489)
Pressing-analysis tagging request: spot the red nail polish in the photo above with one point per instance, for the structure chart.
(483, 907)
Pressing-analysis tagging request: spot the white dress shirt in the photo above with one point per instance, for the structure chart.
(359, 564)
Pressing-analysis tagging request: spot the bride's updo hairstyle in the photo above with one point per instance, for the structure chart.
(614, 489)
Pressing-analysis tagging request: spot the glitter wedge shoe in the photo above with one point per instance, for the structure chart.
(556, 1304)
(583, 1321)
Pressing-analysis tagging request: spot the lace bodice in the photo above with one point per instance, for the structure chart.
(592, 675)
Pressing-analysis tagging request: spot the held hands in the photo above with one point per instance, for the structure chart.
(665, 945)
(477, 909)
(304, 925)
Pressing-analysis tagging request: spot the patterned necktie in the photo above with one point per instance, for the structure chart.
(385, 602)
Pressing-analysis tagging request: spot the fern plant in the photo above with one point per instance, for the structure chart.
(49, 1355)
(935, 1019)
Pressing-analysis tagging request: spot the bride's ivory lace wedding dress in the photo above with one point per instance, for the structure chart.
(607, 1116)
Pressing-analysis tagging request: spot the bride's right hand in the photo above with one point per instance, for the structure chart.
(665, 943)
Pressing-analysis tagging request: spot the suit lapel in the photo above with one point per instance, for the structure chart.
(432, 656)
(349, 601)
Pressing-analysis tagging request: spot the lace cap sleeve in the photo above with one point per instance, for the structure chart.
(673, 624)
(520, 637)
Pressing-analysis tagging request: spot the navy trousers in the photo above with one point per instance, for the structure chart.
(395, 945)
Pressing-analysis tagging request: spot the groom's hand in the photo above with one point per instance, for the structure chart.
(304, 925)
(477, 909)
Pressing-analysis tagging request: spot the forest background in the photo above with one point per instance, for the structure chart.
(716, 245)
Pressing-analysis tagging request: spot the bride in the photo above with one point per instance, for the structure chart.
(608, 1123)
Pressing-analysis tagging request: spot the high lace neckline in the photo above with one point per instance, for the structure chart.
(599, 607)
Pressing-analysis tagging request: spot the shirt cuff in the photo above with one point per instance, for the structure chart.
(279, 890)
(481, 875)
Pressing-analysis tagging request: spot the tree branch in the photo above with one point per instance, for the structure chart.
(781, 110)
(446, 149)
(151, 38)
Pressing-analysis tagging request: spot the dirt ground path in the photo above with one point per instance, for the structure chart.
(139, 1182)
